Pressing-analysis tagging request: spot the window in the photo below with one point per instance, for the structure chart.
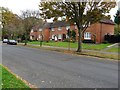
(67, 27)
(59, 28)
(52, 29)
(40, 37)
(31, 30)
(76, 27)
(31, 37)
(53, 36)
(59, 36)
(40, 29)
(67, 36)
(87, 35)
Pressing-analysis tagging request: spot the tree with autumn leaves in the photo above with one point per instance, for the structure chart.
(81, 13)
(11, 24)
(30, 19)
(117, 21)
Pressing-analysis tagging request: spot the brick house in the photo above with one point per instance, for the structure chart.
(34, 34)
(98, 30)
(57, 31)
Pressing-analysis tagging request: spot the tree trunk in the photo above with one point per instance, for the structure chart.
(118, 28)
(25, 39)
(79, 41)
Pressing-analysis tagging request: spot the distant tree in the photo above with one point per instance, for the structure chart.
(117, 21)
(30, 19)
(11, 23)
(71, 34)
(81, 13)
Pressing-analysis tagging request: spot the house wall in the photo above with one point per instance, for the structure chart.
(61, 32)
(46, 34)
(94, 29)
(97, 30)
(34, 35)
(106, 29)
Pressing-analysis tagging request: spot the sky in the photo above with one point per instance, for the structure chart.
(16, 6)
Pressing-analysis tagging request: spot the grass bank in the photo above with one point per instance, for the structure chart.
(86, 53)
(114, 49)
(72, 45)
(10, 81)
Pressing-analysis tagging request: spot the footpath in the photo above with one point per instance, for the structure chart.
(101, 53)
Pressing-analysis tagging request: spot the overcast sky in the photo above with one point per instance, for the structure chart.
(16, 6)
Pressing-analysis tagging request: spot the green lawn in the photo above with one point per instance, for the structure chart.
(9, 80)
(73, 45)
(114, 49)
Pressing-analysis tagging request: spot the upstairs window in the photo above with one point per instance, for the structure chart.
(59, 28)
(67, 27)
(40, 29)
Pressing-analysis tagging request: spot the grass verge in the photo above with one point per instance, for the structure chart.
(90, 53)
(72, 45)
(114, 49)
(10, 81)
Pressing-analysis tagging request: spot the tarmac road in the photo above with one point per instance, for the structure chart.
(50, 69)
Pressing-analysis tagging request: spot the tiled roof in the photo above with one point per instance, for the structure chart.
(60, 24)
(47, 25)
(36, 27)
(55, 24)
(107, 21)
(64, 24)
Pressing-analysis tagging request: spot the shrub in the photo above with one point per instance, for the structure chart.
(88, 41)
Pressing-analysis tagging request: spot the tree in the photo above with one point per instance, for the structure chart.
(11, 23)
(30, 19)
(71, 34)
(71, 37)
(117, 21)
(81, 13)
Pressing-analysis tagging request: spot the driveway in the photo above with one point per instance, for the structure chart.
(49, 69)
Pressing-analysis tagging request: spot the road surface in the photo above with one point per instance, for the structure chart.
(50, 69)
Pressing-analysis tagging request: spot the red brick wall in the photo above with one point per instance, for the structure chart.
(62, 31)
(35, 34)
(106, 29)
(46, 34)
(97, 29)
(100, 30)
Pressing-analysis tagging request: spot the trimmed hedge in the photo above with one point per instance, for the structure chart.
(88, 41)
(112, 38)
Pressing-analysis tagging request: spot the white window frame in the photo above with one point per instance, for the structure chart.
(31, 37)
(87, 35)
(59, 36)
(40, 29)
(53, 36)
(31, 30)
(52, 29)
(67, 36)
(59, 28)
(67, 27)
(76, 27)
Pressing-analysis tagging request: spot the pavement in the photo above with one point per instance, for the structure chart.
(50, 69)
(73, 49)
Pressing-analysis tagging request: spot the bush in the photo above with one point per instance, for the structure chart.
(66, 40)
(105, 42)
(112, 38)
(88, 41)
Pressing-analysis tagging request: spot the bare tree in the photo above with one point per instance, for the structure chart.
(30, 18)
